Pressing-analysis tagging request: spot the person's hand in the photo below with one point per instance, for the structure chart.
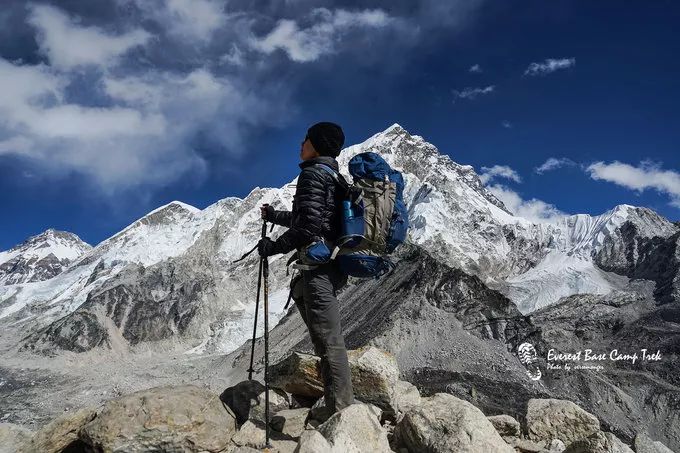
(266, 210)
(266, 247)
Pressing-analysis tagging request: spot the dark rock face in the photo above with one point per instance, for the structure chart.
(639, 257)
(140, 304)
(78, 332)
(23, 270)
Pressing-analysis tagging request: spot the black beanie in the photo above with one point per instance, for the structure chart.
(327, 138)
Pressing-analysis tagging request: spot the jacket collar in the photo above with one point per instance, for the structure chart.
(328, 160)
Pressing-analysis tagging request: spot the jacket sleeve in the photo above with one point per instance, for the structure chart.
(309, 199)
(282, 218)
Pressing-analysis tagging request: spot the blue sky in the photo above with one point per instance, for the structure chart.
(112, 108)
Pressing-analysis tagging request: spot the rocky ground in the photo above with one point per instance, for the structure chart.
(389, 415)
(447, 331)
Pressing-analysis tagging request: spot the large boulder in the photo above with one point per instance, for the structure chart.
(599, 442)
(406, 396)
(60, 433)
(298, 374)
(374, 376)
(13, 437)
(356, 428)
(172, 418)
(444, 423)
(643, 444)
(549, 419)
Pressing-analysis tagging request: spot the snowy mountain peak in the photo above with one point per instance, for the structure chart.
(175, 206)
(40, 257)
(413, 155)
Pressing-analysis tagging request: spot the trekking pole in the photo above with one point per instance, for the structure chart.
(257, 307)
(265, 271)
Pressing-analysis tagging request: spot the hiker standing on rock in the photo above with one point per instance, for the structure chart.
(317, 213)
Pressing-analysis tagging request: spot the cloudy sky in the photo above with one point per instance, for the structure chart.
(112, 108)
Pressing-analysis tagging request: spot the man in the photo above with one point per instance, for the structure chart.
(316, 213)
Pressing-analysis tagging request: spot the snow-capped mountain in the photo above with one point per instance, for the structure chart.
(171, 274)
(457, 219)
(40, 257)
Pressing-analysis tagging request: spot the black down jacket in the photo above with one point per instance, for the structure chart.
(317, 207)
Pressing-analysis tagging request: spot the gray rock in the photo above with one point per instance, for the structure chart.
(556, 446)
(526, 445)
(643, 444)
(13, 437)
(298, 374)
(505, 425)
(374, 376)
(173, 418)
(240, 449)
(60, 432)
(406, 396)
(444, 423)
(355, 428)
(312, 441)
(254, 436)
(290, 421)
(549, 419)
(599, 442)
(278, 401)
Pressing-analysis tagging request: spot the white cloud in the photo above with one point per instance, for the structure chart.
(647, 175)
(16, 145)
(308, 44)
(234, 56)
(68, 44)
(472, 93)
(142, 138)
(506, 124)
(549, 65)
(475, 68)
(534, 210)
(145, 123)
(554, 163)
(135, 99)
(498, 171)
(193, 19)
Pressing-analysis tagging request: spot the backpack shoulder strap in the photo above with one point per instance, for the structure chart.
(339, 179)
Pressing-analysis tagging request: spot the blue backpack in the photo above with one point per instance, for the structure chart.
(374, 220)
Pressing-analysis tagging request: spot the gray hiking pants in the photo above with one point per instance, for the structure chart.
(314, 294)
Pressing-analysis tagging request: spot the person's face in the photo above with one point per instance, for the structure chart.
(307, 150)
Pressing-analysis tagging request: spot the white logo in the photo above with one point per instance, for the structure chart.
(527, 356)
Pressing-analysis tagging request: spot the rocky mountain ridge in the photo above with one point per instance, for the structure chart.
(452, 214)
(40, 257)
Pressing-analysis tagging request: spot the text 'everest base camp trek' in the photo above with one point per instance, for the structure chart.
(491, 333)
